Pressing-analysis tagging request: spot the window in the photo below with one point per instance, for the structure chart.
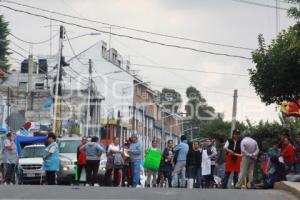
(39, 86)
(23, 85)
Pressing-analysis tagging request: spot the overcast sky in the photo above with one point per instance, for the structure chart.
(219, 21)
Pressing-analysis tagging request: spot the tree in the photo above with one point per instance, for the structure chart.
(4, 32)
(196, 106)
(171, 99)
(277, 67)
(294, 12)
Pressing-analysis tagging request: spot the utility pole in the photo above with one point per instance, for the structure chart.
(192, 134)
(234, 110)
(29, 84)
(58, 93)
(8, 107)
(88, 114)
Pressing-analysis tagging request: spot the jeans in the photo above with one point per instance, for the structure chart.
(226, 178)
(179, 169)
(9, 177)
(221, 171)
(197, 177)
(80, 167)
(135, 166)
(297, 168)
(50, 177)
(92, 171)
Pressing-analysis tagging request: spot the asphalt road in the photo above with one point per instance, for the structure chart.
(71, 192)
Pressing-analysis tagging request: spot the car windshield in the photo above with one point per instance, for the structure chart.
(68, 146)
(33, 152)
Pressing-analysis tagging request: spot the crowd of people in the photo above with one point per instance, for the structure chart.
(191, 164)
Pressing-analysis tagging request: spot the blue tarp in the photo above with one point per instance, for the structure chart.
(3, 130)
(22, 140)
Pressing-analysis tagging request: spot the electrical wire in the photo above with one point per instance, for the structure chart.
(129, 28)
(188, 70)
(72, 49)
(260, 4)
(128, 36)
(16, 52)
(33, 43)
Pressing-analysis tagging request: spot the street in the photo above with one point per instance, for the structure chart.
(74, 192)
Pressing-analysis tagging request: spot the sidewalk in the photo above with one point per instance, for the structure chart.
(293, 187)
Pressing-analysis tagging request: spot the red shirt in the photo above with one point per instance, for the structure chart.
(288, 154)
(81, 156)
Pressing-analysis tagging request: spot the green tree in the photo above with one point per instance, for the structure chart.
(277, 67)
(4, 42)
(171, 99)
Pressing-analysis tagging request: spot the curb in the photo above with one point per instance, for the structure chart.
(292, 187)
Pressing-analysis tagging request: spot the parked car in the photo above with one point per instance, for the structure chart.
(30, 166)
(68, 159)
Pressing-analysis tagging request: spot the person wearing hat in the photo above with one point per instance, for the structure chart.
(181, 150)
(233, 158)
(135, 151)
(93, 152)
(51, 159)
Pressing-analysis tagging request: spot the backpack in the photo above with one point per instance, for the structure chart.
(118, 160)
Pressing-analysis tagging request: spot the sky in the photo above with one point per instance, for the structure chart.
(218, 21)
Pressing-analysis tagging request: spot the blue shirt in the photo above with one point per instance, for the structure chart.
(52, 162)
(93, 150)
(182, 150)
(135, 151)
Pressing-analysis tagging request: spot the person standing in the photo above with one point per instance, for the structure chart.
(249, 150)
(93, 152)
(233, 158)
(181, 150)
(81, 157)
(51, 159)
(136, 159)
(190, 166)
(151, 172)
(118, 162)
(11, 157)
(212, 155)
(220, 161)
(197, 154)
(297, 154)
(288, 154)
(167, 163)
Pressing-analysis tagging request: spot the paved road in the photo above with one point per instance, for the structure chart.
(71, 192)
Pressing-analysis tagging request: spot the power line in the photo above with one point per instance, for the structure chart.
(131, 29)
(30, 42)
(128, 36)
(72, 49)
(260, 4)
(17, 53)
(189, 70)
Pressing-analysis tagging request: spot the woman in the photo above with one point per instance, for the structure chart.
(93, 152)
(288, 154)
(51, 159)
(212, 155)
(118, 162)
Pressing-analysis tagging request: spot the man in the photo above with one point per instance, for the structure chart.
(233, 158)
(136, 159)
(167, 163)
(197, 154)
(93, 152)
(220, 161)
(180, 167)
(212, 155)
(11, 157)
(81, 157)
(297, 154)
(51, 159)
(150, 172)
(249, 150)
